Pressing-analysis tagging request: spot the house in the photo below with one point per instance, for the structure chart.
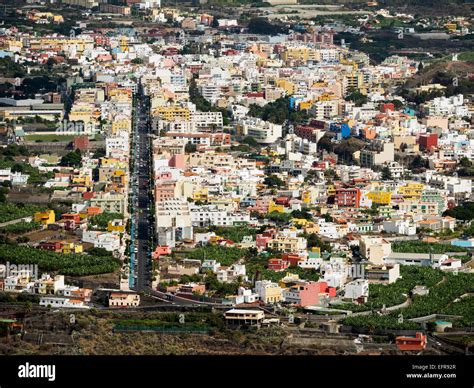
(386, 273)
(275, 264)
(108, 241)
(416, 343)
(230, 274)
(47, 285)
(117, 225)
(61, 302)
(356, 289)
(192, 288)
(45, 218)
(374, 249)
(268, 291)
(304, 293)
(123, 300)
(210, 265)
(419, 259)
(238, 317)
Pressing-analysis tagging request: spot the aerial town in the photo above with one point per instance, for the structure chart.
(265, 178)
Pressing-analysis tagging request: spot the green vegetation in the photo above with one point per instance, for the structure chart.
(374, 321)
(279, 218)
(72, 159)
(9, 211)
(233, 233)
(203, 105)
(218, 289)
(14, 150)
(49, 138)
(396, 293)
(444, 298)
(171, 321)
(423, 247)
(20, 227)
(273, 181)
(314, 241)
(224, 255)
(76, 265)
(250, 141)
(11, 69)
(356, 97)
(441, 298)
(466, 56)
(101, 221)
(35, 176)
(263, 26)
(464, 212)
(277, 112)
(303, 273)
(190, 148)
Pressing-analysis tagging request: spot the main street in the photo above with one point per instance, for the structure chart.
(142, 200)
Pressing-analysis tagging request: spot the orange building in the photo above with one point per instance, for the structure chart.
(411, 343)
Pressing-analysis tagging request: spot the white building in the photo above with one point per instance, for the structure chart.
(356, 289)
(61, 302)
(264, 132)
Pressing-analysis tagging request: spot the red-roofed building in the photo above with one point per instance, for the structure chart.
(81, 143)
(275, 264)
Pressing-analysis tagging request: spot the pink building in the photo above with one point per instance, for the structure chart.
(178, 161)
(303, 294)
(308, 293)
(263, 239)
(164, 192)
(261, 205)
(161, 250)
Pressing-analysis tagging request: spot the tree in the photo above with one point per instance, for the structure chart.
(465, 162)
(190, 148)
(357, 97)
(263, 26)
(249, 140)
(418, 162)
(315, 241)
(273, 181)
(386, 174)
(72, 159)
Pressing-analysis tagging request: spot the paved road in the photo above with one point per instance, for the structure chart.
(142, 204)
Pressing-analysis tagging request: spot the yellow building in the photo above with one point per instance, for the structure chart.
(172, 113)
(121, 124)
(331, 190)
(273, 207)
(81, 180)
(411, 190)
(306, 197)
(116, 226)
(119, 177)
(201, 195)
(300, 221)
(380, 197)
(288, 86)
(45, 218)
(215, 239)
(71, 248)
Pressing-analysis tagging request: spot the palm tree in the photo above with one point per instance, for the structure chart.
(28, 307)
